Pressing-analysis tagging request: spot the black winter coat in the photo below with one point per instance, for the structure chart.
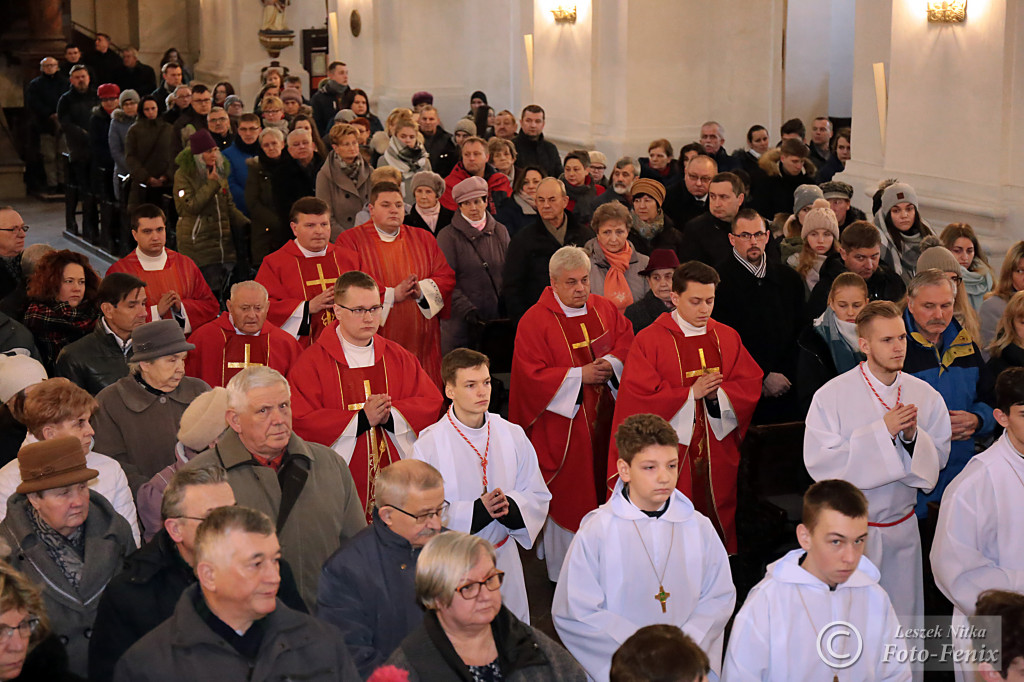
(443, 152)
(681, 206)
(144, 595)
(41, 97)
(775, 193)
(669, 237)
(815, 367)
(672, 176)
(14, 334)
(444, 218)
(883, 285)
(1012, 356)
(706, 238)
(367, 591)
(74, 110)
(47, 662)
(93, 362)
(292, 181)
(99, 128)
(537, 152)
(526, 262)
(644, 312)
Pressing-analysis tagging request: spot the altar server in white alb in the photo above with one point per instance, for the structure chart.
(490, 470)
(827, 580)
(979, 542)
(887, 433)
(643, 557)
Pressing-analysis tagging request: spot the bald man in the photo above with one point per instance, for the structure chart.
(526, 263)
(686, 200)
(41, 97)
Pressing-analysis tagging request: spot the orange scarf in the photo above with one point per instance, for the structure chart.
(616, 288)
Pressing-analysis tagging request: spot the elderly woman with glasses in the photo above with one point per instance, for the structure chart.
(466, 633)
(29, 651)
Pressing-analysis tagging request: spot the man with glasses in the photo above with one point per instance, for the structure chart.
(219, 124)
(302, 306)
(359, 393)
(193, 118)
(491, 470)
(688, 199)
(144, 594)
(12, 243)
(759, 293)
(367, 589)
(246, 146)
(304, 487)
(241, 337)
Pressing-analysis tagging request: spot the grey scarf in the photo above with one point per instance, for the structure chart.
(68, 553)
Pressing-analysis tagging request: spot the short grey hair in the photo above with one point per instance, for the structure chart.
(273, 132)
(299, 132)
(443, 565)
(929, 278)
(561, 185)
(174, 493)
(249, 284)
(627, 161)
(568, 258)
(721, 128)
(394, 482)
(224, 520)
(250, 379)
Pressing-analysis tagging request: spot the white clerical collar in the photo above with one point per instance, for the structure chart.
(123, 345)
(151, 263)
(239, 331)
(310, 254)
(687, 328)
(571, 312)
(356, 356)
(386, 237)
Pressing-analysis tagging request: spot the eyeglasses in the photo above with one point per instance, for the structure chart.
(706, 179)
(423, 518)
(25, 628)
(471, 590)
(362, 312)
(22, 228)
(750, 236)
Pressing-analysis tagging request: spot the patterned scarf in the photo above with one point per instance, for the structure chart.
(616, 288)
(67, 552)
(841, 338)
(648, 230)
(350, 169)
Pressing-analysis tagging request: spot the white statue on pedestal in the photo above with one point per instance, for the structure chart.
(273, 15)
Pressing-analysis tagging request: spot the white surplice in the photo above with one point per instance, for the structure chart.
(607, 587)
(846, 438)
(979, 540)
(775, 633)
(512, 466)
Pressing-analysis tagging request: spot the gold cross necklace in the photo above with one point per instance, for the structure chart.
(662, 595)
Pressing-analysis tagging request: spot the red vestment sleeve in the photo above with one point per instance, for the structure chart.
(313, 419)
(440, 271)
(539, 366)
(417, 398)
(198, 299)
(205, 361)
(284, 299)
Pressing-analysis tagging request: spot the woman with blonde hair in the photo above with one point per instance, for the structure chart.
(1009, 282)
(1007, 350)
(28, 649)
(963, 243)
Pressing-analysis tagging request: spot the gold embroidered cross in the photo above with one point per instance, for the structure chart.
(585, 343)
(245, 364)
(323, 281)
(704, 369)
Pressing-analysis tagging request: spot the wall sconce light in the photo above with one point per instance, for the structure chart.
(564, 15)
(947, 11)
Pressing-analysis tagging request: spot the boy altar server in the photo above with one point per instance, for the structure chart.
(827, 580)
(886, 432)
(645, 556)
(696, 374)
(979, 541)
(490, 471)
(359, 393)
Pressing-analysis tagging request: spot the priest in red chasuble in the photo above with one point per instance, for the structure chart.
(359, 393)
(695, 373)
(175, 288)
(240, 338)
(412, 272)
(569, 351)
(300, 275)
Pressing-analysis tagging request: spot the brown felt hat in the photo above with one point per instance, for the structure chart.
(49, 464)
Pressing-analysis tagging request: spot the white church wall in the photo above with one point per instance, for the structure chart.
(808, 34)
(840, 72)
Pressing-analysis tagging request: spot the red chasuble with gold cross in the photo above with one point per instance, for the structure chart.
(180, 274)
(221, 352)
(327, 395)
(292, 279)
(662, 366)
(572, 452)
(413, 252)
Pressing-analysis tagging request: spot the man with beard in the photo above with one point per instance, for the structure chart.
(623, 175)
